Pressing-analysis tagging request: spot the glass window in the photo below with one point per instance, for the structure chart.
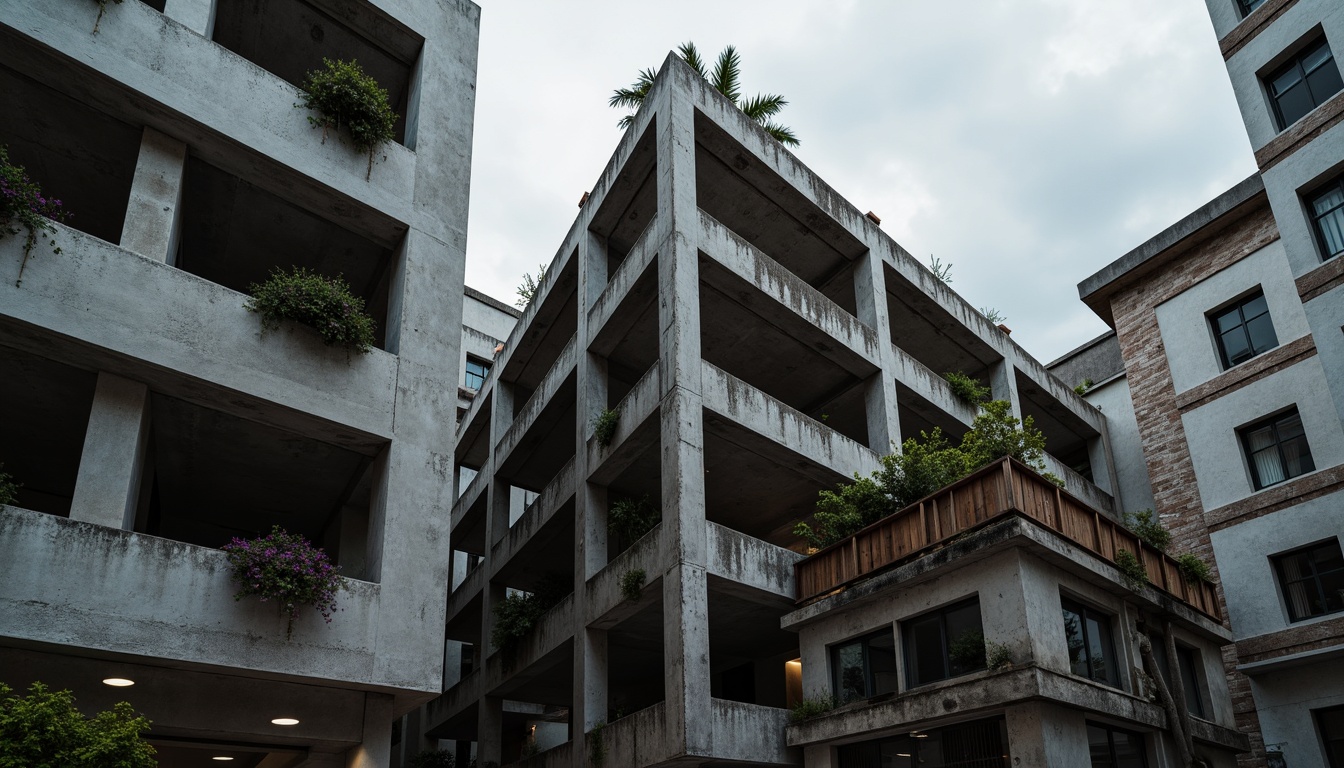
(1189, 661)
(1091, 652)
(1312, 579)
(1246, 6)
(977, 744)
(1330, 722)
(865, 667)
(1327, 216)
(1304, 83)
(1277, 449)
(1243, 330)
(477, 370)
(1114, 748)
(945, 643)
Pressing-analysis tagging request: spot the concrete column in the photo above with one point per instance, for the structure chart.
(594, 530)
(499, 510)
(492, 594)
(819, 756)
(689, 711)
(490, 731)
(153, 212)
(1045, 735)
(678, 259)
(375, 747)
(594, 649)
(196, 15)
(108, 485)
(870, 296)
(1003, 385)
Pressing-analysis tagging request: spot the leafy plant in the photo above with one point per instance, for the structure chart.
(9, 490)
(994, 316)
(344, 97)
(996, 433)
(286, 568)
(1082, 387)
(967, 650)
(433, 758)
(1131, 570)
(1146, 525)
(967, 389)
(604, 426)
(22, 204)
(724, 79)
(530, 286)
(632, 518)
(808, 708)
(597, 748)
(1053, 478)
(519, 612)
(998, 655)
(632, 584)
(940, 270)
(849, 508)
(325, 304)
(45, 730)
(102, 8)
(1194, 568)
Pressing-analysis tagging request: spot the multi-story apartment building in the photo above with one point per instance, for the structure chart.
(150, 419)
(754, 339)
(1231, 329)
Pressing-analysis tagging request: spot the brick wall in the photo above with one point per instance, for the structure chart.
(1159, 418)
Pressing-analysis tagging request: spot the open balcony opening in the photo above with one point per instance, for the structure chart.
(930, 334)
(631, 200)
(747, 649)
(635, 657)
(1067, 436)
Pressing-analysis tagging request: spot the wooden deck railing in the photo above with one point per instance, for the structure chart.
(1003, 488)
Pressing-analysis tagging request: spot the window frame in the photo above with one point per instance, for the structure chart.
(1110, 731)
(1108, 652)
(468, 373)
(909, 651)
(1277, 561)
(1327, 739)
(1334, 185)
(870, 683)
(1189, 662)
(1296, 61)
(1273, 421)
(1238, 305)
(1247, 7)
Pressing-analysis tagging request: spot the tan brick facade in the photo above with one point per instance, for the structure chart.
(1156, 405)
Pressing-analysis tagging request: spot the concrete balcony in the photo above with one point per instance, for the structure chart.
(1006, 487)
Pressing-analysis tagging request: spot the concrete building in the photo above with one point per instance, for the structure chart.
(149, 418)
(755, 339)
(1229, 324)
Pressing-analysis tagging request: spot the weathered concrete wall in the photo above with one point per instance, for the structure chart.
(1113, 399)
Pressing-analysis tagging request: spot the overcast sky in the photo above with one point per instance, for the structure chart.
(1027, 142)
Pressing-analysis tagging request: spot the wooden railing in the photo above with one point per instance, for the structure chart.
(1003, 488)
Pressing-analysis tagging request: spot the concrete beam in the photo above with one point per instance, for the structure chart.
(635, 265)
(526, 416)
(637, 407)
(556, 494)
(751, 733)
(605, 606)
(930, 386)
(740, 558)
(108, 485)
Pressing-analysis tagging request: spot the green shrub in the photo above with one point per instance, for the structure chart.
(843, 511)
(9, 490)
(22, 204)
(1082, 387)
(344, 97)
(811, 708)
(967, 650)
(604, 426)
(966, 388)
(45, 729)
(436, 758)
(997, 655)
(530, 286)
(1146, 525)
(518, 613)
(1053, 478)
(632, 518)
(632, 584)
(996, 433)
(922, 467)
(1193, 568)
(1131, 570)
(325, 304)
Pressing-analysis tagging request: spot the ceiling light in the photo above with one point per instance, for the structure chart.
(119, 682)
(284, 721)
(221, 757)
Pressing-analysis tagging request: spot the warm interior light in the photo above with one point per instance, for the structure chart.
(285, 721)
(918, 735)
(221, 757)
(119, 682)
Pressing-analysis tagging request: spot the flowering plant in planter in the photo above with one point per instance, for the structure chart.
(23, 204)
(285, 567)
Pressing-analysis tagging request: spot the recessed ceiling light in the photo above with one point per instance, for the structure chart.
(285, 721)
(221, 757)
(119, 682)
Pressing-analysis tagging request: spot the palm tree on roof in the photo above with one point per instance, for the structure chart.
(724, 79)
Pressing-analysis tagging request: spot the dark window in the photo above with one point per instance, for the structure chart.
(1243, 330)
(1091, 652)
(1277, 449)
(1114, 748)
(977, 744)
(1188, 660)
(1312, 579)
(1327, 215)
(943, 644)
(477, 370)
(865, 667)
(1331, 724)
(1246, 6)
(1304, 83)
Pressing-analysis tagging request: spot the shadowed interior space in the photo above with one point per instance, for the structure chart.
(546, 445)
(541, 343)
(747, 648)
(919, 415)
(629, 340)
(931, 335)
(635, 677)
(1066, 435)
(631, 201)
